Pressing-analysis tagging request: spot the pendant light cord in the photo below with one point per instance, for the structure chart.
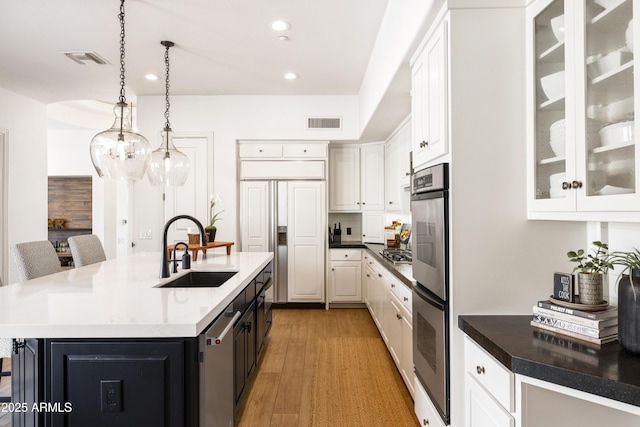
(122, 98)
(167, 125)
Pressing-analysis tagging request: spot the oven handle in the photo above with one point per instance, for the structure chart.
(429, 297)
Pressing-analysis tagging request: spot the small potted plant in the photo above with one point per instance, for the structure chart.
(628, 303)
(211, 228)
(591, 267)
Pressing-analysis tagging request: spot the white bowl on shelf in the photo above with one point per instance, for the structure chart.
(611, 189)
(608, 4)
(628, 35)
(608, 63)
(557, 26)
(558, 146)
(620, 166)
(617, 134)
(620, 111)
(553, 85)
(556, 180)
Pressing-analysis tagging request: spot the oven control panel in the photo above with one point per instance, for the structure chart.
(434, 178)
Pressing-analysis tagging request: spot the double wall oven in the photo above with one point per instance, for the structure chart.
(430, 254)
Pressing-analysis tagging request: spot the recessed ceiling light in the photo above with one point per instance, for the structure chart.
(151, 77)
(283, 38)
(280, 25)
(291, 76)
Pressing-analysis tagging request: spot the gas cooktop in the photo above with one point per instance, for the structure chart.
(396, 255)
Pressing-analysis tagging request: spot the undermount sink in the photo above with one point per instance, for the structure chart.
(200, 279)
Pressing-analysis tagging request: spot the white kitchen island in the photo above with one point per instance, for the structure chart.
(107, 343)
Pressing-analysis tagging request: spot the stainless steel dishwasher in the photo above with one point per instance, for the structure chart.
(216, 371)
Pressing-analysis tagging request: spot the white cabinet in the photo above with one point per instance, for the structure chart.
(400, 334)
(368, 278)
(577, 95)
(254, 199)
(356, 178)
(429, 98)
(373, 227)
(389, 302)
(425, 411)
(282, 150)
(344, 179)
(397, 168)
(345, 275)
(489, 389)
(372, 177)
(306, 241)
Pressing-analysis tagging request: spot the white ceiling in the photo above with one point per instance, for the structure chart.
(223, 47)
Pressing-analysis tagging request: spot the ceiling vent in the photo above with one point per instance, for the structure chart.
(85, 58)
(324, 123)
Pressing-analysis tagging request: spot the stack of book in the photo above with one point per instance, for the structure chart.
(598, 327)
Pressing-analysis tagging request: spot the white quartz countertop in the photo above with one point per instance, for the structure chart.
(120, 298)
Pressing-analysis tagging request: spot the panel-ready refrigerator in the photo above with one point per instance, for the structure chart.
(287, 218)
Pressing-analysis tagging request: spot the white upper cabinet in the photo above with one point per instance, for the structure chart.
(582, 85)
(356, 178)
(397, 167)
(372, 177)
(429, 98)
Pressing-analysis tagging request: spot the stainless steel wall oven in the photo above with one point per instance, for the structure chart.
(430, 265)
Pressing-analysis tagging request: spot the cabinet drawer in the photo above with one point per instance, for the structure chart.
(425, 411)
(403, 293)
(304, 150)
(345, 254)
(489, 373)
(260, 150)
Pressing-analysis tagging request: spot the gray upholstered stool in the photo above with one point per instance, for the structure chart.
(35, 259)
(86, 249)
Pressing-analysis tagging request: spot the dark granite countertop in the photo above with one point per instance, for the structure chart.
(608, 371)
(400, 271)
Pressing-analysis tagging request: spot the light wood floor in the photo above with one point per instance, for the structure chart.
(281, 392)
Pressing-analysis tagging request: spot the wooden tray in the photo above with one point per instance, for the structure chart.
(578, 306)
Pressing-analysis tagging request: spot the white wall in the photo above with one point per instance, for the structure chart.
(25, 122)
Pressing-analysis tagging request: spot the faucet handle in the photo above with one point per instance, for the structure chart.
(186, 260)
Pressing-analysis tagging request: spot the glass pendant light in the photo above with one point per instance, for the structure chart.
(119, 152)
(169, 166)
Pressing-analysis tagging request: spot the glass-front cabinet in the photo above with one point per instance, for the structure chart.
(581, 148)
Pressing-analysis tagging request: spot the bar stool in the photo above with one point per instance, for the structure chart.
(35, 259)
(86, 249)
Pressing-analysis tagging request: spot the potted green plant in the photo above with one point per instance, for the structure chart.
(628, 303)
(591, 267)
(211, 229)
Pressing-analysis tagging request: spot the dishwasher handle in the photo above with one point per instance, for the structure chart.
(218, 340)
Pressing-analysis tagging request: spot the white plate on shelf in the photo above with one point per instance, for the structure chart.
(609, 190)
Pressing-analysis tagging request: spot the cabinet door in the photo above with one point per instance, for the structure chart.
(372, 177)
(430, 103)
(406, 362)
(306, 241)
(26, 382)
(481, 410)
(425, 411)
(392, 189)
(605, 125)
(394, 329)
(373, 227)
(367, 284)
(344, 179)
(345, 281)
(254, 211)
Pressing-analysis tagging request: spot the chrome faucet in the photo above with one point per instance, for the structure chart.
(164, 267)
